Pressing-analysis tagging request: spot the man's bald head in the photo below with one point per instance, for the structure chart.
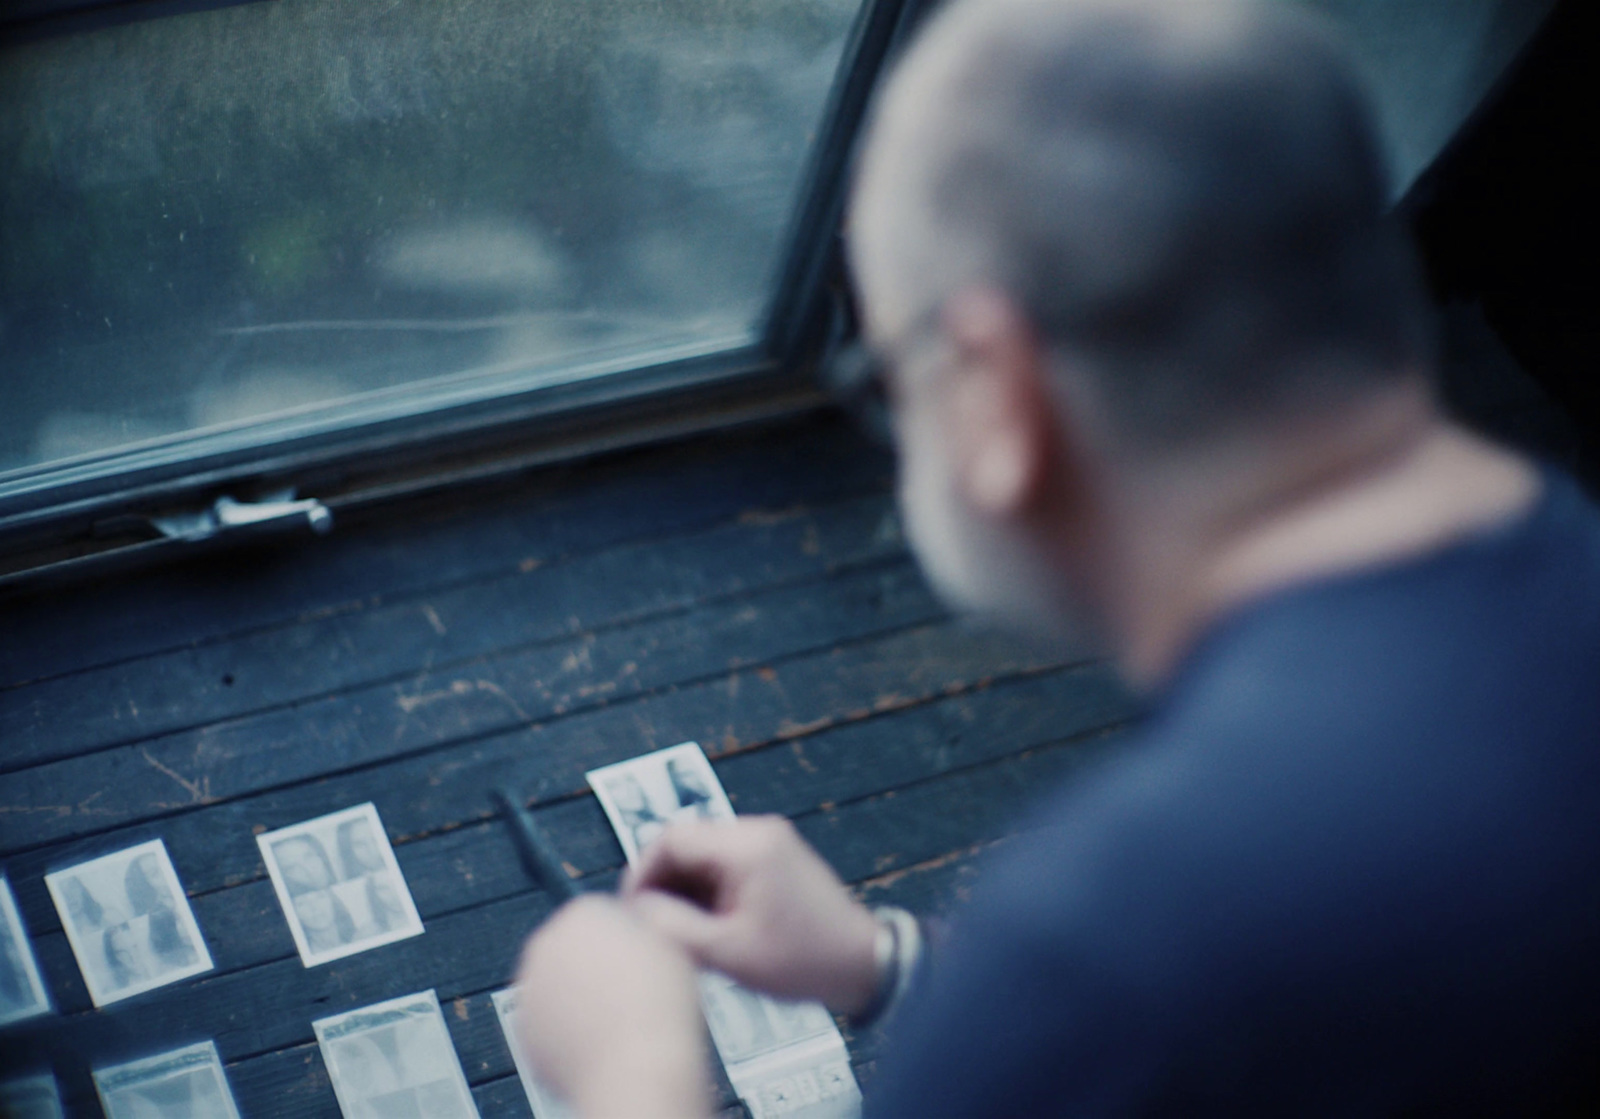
(1184, 197)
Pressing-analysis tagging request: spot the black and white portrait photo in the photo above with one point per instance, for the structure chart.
(339, 884)
(544, 1102)
(394, 1060)
(782, 1058)
(745, 1025)
(642, 795)
(185, 1083)
(128, 922)
(31, 1097)
(22, 992)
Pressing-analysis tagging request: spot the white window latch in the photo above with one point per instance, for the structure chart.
(275, 511)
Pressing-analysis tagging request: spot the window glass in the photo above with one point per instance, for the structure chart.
(320, 208)
(1430, 62)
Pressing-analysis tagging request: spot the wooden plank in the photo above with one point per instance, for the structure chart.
(927, 819)
(908, 821)
(880, 830)
(290, 1082)
(494, 1098)
(994, 718)
(458, 867)
(214, 846)
(412, 549)
(292, 663)
(852, 677)
(285, 745)
(270, 1007)
(298, 1079)
(901, 827)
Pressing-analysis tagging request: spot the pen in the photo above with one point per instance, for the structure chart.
(539, 856)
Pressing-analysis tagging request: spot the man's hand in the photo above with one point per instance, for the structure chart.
(750, 899)
(609, 1012)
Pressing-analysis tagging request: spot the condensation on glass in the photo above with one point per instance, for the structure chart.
(212, 220)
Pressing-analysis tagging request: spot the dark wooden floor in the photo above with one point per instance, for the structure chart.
(749, 591)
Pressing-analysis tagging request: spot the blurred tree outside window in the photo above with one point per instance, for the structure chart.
(270, 209)
(282, 220)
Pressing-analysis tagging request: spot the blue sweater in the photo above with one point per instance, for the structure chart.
(1351, 866)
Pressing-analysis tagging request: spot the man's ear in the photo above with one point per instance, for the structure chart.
(1001, 415)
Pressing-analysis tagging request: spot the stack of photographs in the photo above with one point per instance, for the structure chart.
(128, 922)
(22, 992)
(394, 1060)
(185, 1083)
(782, 1058)
(545, 1103)
(339, 885)
(32, 1097)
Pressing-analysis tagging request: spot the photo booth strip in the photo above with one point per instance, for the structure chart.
(31, 1097)
(339, 885)
(545, 1103)
(22, 990)
(642, 795)
(802, 1082)
(189, 1082)
(395, 1058)
(128, 922)
(783, 1058)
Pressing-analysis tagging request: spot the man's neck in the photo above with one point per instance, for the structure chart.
(1376, 483)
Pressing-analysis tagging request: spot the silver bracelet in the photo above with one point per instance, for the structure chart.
(895, 952)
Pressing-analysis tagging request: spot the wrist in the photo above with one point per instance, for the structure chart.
(650, 1067)
(898, 949)
(859, 967)
(649, 1086)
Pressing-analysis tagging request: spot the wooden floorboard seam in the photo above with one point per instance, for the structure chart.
(552, 724)
(511, 575)
(564, 500)
(969, 846)
(575, 637)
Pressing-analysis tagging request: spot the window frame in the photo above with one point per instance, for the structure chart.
(87, 514)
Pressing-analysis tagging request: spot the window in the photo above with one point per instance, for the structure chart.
(287, 226)
(1430, 62)
(268, 245)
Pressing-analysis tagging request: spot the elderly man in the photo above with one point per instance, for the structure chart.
(1158, 359)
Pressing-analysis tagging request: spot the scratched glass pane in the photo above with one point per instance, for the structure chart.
(276, 209)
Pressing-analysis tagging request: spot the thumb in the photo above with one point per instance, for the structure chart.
(684, 923)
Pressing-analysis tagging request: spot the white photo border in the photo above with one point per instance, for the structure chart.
(42, 1003)
(81, 950)
(158, 1061)
(657, 759)
(400, 1006)
(38, 1089)
(542, 1100)
(308, 957)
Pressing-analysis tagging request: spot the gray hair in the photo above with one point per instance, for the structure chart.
(1187, 198)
